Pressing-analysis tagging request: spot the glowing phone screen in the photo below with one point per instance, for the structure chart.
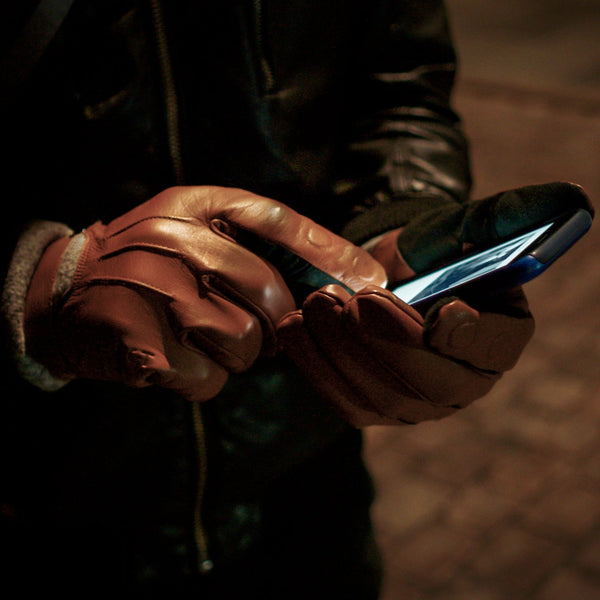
(467, 269)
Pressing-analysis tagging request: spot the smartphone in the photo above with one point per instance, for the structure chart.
(508, 264)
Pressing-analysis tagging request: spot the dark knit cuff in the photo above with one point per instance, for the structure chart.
(389, 215)
(30, 247)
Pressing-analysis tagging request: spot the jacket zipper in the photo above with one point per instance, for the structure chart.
(267, 72)
(204, 563)
(169, 91)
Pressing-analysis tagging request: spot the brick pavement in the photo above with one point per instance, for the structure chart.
(502, 501)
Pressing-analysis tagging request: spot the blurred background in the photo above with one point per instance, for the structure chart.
(502, 501)
(543, 44)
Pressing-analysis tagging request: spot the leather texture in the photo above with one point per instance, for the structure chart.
(165, 294)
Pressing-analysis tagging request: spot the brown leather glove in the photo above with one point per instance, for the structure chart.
(381, 362)
(165, 294)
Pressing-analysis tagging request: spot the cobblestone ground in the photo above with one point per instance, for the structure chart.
(502, 501)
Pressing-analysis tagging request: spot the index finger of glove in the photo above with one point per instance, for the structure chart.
(283, 226)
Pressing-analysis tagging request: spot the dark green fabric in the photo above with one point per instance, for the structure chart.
(438, 235)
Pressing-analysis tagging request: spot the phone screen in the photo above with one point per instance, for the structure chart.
(467, 269)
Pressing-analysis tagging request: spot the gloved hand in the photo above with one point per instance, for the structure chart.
(165, 294)
(379, 361)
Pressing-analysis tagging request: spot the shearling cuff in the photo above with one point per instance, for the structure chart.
(30, 247)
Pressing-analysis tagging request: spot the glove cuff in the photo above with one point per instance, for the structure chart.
(41, 343)
(49, 284)
(30, 248)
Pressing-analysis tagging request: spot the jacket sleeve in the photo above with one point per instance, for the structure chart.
(406, 148)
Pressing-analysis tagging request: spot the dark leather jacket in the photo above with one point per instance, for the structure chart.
(339, 108)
